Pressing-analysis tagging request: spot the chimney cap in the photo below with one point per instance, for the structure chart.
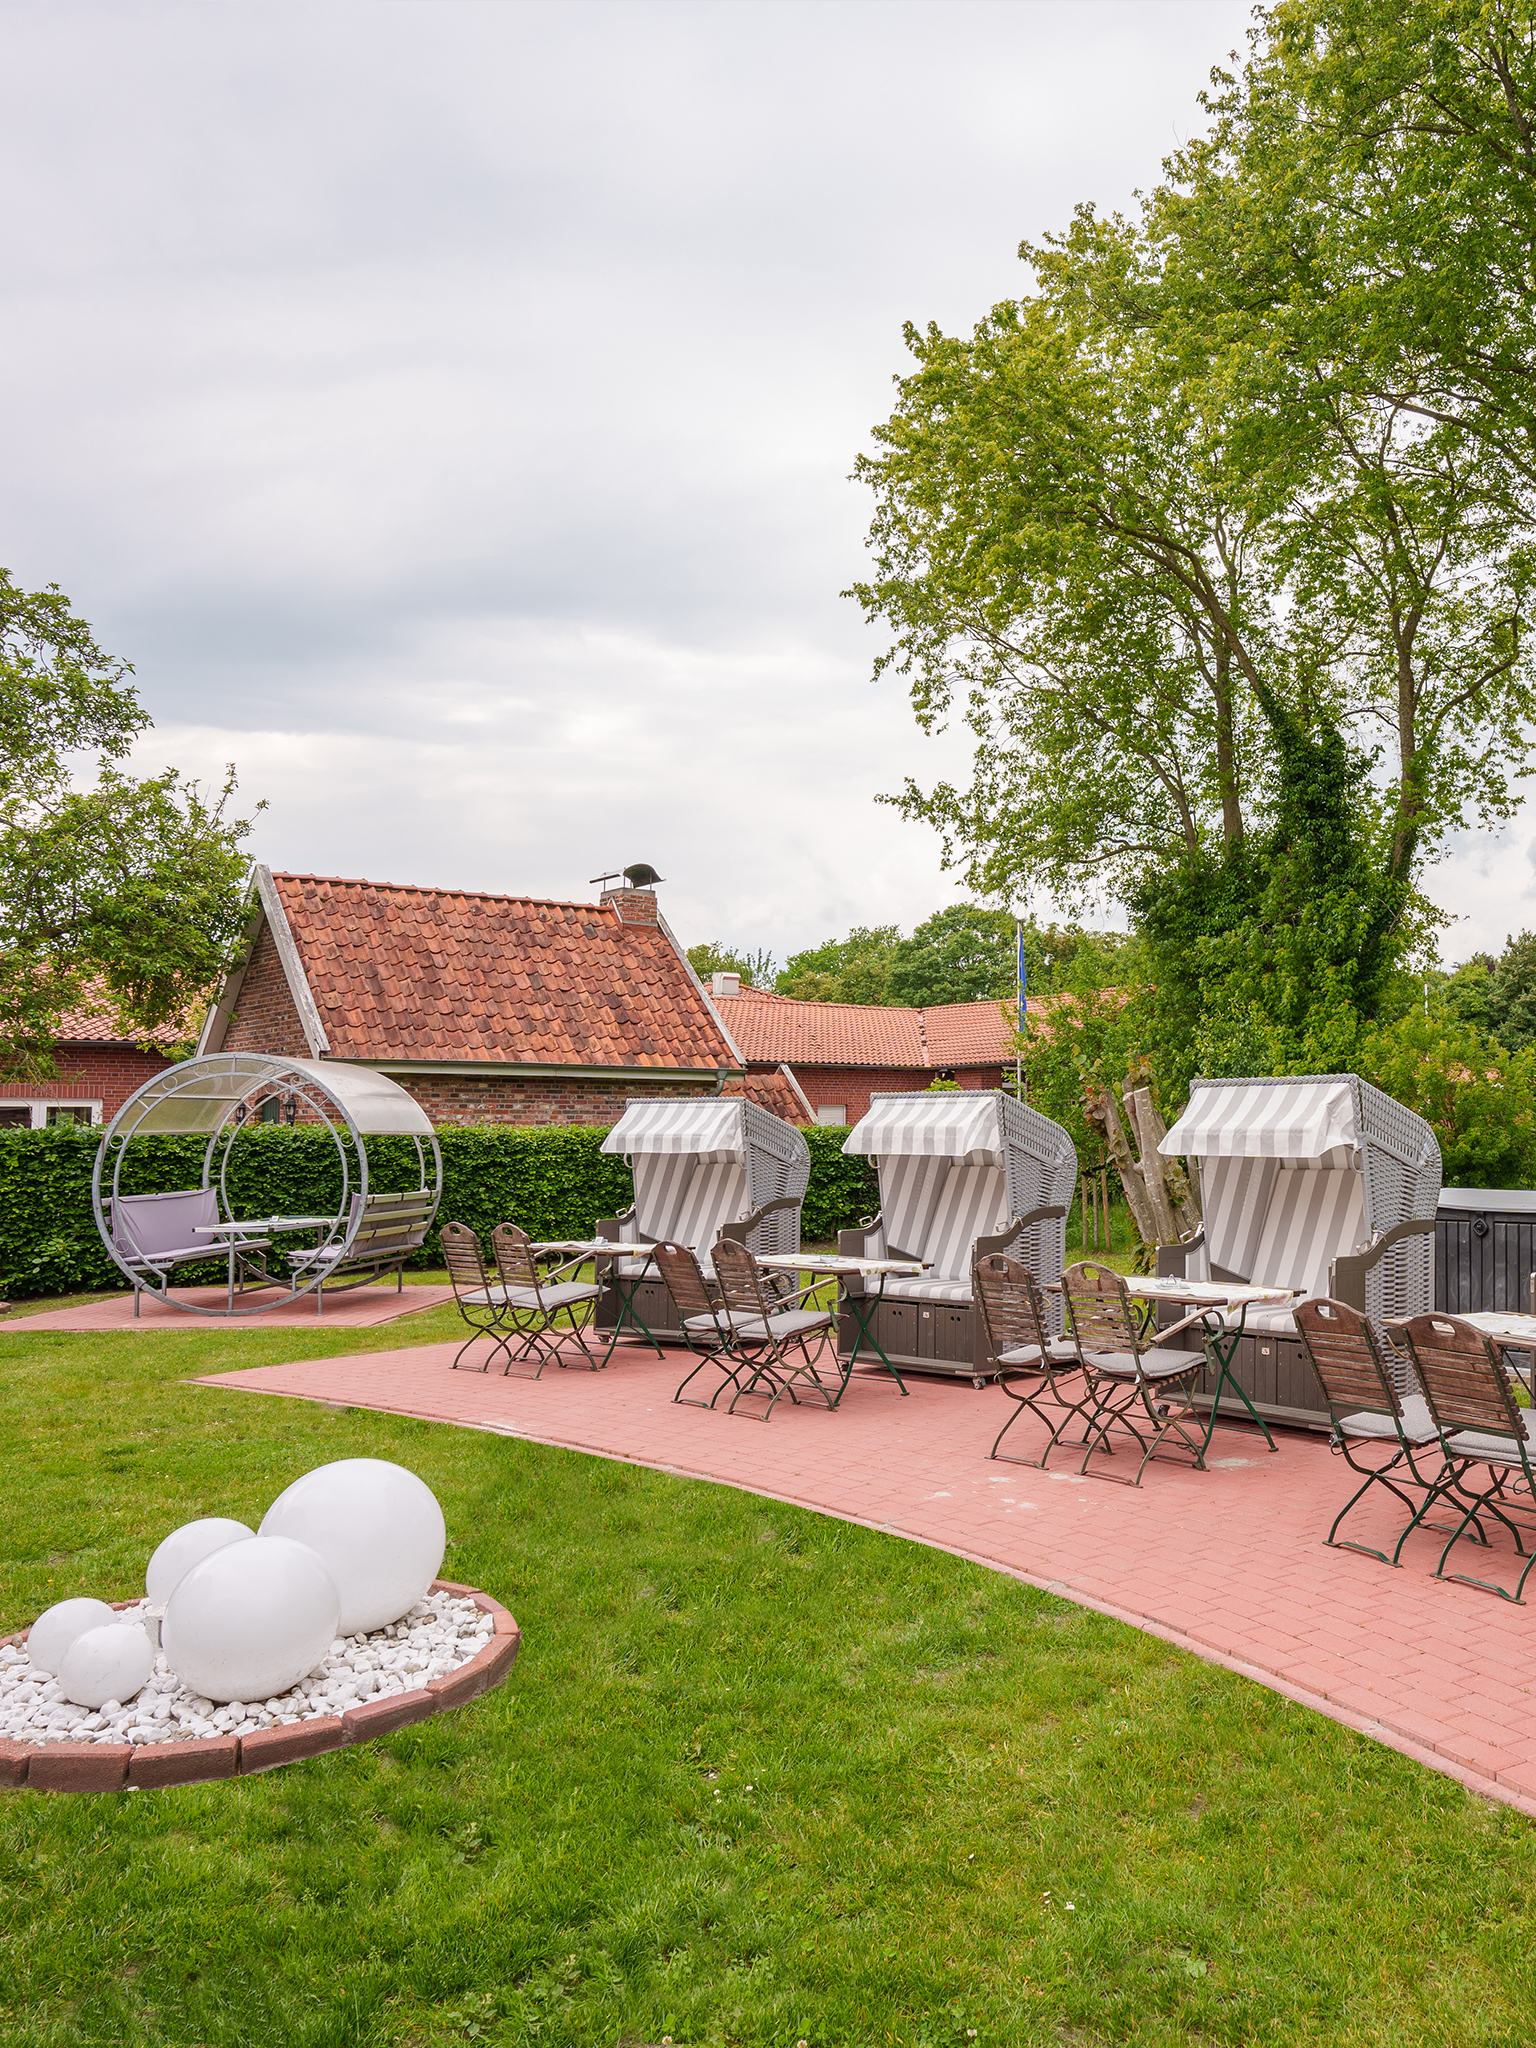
(640, 876)
(724, 984)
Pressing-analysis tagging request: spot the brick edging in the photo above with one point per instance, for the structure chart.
(110, 1766)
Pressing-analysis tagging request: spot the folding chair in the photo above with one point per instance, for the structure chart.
(537, 1300)
(771, 1338)
(1030, 1363)
(1472, 1399)
(701, 1318)
(1367, 1413)
(482, 1304)
(1132, 1386)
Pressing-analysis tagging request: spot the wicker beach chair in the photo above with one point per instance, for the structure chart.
(1141, 1390)
(1372, 1420)
(1032, 1367)
(1482, 1427)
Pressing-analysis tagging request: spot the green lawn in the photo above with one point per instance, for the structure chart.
(758, 1778)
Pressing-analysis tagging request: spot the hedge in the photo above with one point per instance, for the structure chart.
(552, 1180)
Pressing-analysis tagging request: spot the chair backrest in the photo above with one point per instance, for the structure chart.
(973, 1202)
(1012, 1306)
(1314, 1216)
(1464, 1379)
(683, 1277)
(515, 1264)
(715, 1195)
(1100, 1309)
(388, 1224)
(145, 1225)
(1342, 1349)
(462, 1256)
(740, 1284)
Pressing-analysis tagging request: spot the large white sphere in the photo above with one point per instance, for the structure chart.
(57, 1627)
(377, 1526)
(106, 1664)
(250, 1619)
(185, 1547)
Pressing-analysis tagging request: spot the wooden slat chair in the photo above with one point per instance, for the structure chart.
(537, 1301)
(1481, 1426)
(382, 1233)
(481, 1301)
(774, 1340)
(1141, 1389)
(1370, 1418)
(1031, 1366)
(701, 1317)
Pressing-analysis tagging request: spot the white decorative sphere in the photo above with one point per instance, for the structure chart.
(251, 1619)
(57, 1627)
(106, 1664)
(185, 1547)
(377, 1526)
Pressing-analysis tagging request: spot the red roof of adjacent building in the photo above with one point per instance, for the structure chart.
(774, 1027)
(456, 974)
(96, 1022)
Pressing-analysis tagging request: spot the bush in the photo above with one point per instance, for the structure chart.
(551, 1179)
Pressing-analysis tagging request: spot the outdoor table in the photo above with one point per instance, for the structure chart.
(862, 1305)
(255, 1226)
(623, 1285)
(1509, 1332)
(1147, 1290)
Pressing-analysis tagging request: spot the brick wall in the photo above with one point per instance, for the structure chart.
(853, 1086)
(265, 1019)
(107, 1074)
(451, 1099)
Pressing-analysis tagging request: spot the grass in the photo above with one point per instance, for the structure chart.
(758, 1778)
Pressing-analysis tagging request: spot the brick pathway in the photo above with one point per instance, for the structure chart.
(1229, 1563)
(359, 1310)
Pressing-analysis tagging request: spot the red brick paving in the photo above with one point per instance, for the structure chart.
(361, 1309)
(1229, 1563)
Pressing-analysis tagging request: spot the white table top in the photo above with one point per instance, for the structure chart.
(834, 1262)
(592, 1246)
(1211, 1293)
(263, 1223)
(1501, 1323)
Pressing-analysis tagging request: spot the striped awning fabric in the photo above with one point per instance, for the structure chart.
(1312, 1120)
(945, 1125)
(702, 1123)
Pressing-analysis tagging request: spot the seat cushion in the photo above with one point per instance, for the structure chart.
(928, 1290)
(1498, 1450)
(794, 1322)
(563, 1296)
(1029, 1354)
(1261, 1322)
(1156, 1364)
(1418, 1424)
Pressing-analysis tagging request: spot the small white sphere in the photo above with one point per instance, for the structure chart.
(57, 1627)
(250, 1619)
(185, 1547)
(377, 1526)
(106, 1664)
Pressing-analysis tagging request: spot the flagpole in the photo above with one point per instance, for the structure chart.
(1018, 1056)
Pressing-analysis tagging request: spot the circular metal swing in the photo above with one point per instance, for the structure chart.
(367, 1236)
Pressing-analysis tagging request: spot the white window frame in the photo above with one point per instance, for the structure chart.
(40, 1106)
(831, 1112)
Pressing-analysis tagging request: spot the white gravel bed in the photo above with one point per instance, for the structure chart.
(440, 1633)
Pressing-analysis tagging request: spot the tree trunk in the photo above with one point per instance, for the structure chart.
(1105, 1111)
(1178, 1196)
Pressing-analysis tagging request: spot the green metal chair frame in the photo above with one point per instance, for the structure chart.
(1030, 1364)
(1367, 1411)
(537, 1300)
(771, 1332)
(1130, 1383)
(1471, 1396)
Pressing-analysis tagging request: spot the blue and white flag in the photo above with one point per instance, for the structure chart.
(1022, 998)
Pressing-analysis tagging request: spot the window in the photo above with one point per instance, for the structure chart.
(831, 1113)
(69, 1113)
(16, 1119)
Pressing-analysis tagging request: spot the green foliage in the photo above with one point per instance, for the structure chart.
(553, 1180)
(1480, 1099)
(756, 969)
(956, 956)
(852, 970)
(843, 1188)
(137, 884)
(1498, 995)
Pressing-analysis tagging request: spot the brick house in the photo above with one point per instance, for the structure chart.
(97, 1069)
(839, 1054)
(488, 1009)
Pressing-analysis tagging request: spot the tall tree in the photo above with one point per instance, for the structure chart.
(136, 884)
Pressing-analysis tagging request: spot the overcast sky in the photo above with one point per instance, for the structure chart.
(449, 407)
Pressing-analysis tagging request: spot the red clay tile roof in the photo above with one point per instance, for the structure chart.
(97, 1023)
(454, 974)
(772, 1092)
(774, 1027)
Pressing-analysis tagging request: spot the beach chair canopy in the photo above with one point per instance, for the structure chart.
(958, 1165)
(1295, 1173)
(706, 1161)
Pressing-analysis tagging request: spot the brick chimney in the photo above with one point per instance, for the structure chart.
(635, 906)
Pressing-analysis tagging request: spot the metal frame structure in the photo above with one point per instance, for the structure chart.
(224, 1094)
(922, 1146)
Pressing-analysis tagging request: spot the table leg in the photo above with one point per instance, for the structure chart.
(1223, 1357)
(628, 1313)
(862, 1318)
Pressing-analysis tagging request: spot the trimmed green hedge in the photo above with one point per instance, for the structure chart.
(551, 1179)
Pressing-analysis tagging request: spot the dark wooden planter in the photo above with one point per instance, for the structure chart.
(1485, 1250)
(945, 1337)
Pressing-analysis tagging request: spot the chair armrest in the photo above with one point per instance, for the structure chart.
(739, 1231)
(1346, 1276)
(984, 1247)
(1172, 1259)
